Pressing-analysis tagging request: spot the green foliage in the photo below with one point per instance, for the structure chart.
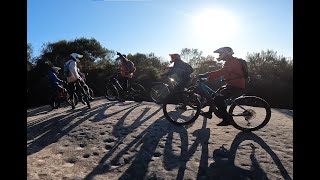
(29, 56)
(93, 53)
(271, 75)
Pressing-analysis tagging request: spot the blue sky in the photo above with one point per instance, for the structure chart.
(165, 26)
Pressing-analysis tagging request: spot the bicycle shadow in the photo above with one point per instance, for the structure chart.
(149, 139)
(45, 132)
(173, 161)
(38, 110)
(224, 166)
(120, 131)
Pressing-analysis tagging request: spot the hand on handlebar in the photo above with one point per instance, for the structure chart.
(200, 76)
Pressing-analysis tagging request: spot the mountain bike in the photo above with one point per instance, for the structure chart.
(114, 88)
(249, 113)
(88, 90)
(63, 95)
(160, 90)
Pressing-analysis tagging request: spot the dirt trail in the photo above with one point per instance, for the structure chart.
(134, 141)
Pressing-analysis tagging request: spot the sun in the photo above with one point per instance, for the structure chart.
(218, 25)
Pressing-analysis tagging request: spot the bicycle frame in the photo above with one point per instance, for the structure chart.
(210, 93)
(116, 83)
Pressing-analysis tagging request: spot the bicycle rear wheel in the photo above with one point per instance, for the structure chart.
(181, 108)
(138, 92)
(158, 92)
(250, 113)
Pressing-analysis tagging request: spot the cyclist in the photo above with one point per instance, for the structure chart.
(126, 71)
(56, 84)
(235, 84)
(181, 69)
(73, 77)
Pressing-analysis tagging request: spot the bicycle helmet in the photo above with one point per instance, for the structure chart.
(174, 57)
(76, 56)
(223, 52)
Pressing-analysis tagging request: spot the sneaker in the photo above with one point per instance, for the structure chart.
(224, 123)
(206, 114)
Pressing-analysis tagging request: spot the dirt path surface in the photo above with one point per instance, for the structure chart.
(129, 140)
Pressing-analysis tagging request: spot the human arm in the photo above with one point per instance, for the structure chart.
(73, 70)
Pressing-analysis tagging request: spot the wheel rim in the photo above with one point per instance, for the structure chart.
(111, 93)
(159, 92)
(182, 110)
(256, 115)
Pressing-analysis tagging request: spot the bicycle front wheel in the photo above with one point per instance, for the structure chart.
(91, 94)
(74, 101)
(250, 113)
(181, 108)
(158, 92)
(111, 92)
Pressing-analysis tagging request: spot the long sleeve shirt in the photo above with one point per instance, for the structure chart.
(73, 75)
(53, 78)
(232, 72)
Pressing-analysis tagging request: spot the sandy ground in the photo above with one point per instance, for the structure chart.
(130, 140)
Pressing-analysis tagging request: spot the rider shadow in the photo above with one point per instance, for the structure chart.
(148, 139)
(224, 166)
(38, 111)
(121, 132)
(180, 161)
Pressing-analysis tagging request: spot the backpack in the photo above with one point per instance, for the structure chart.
(66, 69)
(244, 68)
(188, 68)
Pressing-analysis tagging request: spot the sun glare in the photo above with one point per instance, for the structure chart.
(214, 25)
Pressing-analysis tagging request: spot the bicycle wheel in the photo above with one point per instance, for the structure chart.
(137, 92)
(181, 108)
(91, 94)
(158, 92)
(73, 101)
(203, 100)
(250, 113)
(111, 92)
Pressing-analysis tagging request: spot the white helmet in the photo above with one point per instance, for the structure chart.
(76, 56)
(223, 52)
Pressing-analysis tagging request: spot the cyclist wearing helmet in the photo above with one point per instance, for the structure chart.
(235, 84)
(73, 77)
(181, 69)
(56, 84)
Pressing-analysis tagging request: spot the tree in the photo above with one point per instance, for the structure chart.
(29, 56)
(190, 56)
(271, 76)
(59, 52)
